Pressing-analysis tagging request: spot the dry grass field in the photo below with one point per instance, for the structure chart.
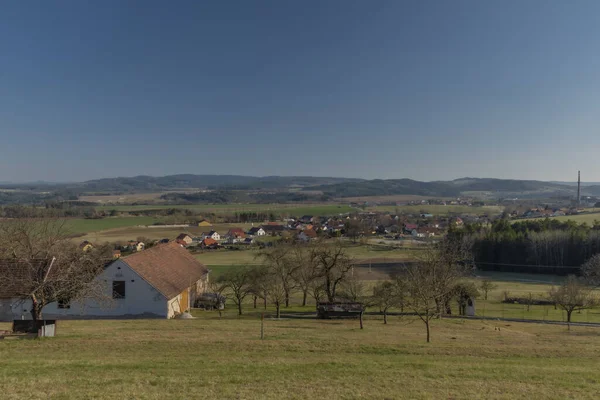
(302, 358)
(154, 232)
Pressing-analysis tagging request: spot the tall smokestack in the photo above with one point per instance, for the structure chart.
(578, 187)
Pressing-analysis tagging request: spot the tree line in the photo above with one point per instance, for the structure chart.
(541, 246)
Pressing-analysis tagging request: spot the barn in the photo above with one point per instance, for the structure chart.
(159, 282)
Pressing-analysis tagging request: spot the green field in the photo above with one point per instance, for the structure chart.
(439, 209)
(80, 225)
(290, 209)
(358, 252)
(302, 358)
(580, 219)
(154, 232)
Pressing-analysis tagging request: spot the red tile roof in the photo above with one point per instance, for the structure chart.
(17, 275)
(169, 268)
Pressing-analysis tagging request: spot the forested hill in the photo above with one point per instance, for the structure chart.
(330, 187)
(494, 187)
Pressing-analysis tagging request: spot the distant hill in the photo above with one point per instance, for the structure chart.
(493, 187)
(144, 183)
(331, 187)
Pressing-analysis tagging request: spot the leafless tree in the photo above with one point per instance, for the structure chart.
(572, 295)
(430, 283)
(354, 290)
(304, 272)
(41, 264)
(238, 282)
(280, 263)
(462, 292)
(486, 286)
(387, 294)
(333, 266)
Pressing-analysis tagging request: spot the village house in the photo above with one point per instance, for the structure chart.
(212, 235)
(256, 231)
(184, 237)
(209, 243)
(273, 229)
(116, 253)
(307, 235)
(160, 282)
(235, 235)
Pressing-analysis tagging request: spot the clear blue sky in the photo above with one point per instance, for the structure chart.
(376, 89)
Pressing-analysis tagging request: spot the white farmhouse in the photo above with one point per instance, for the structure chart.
(156, 283)
(211, 235)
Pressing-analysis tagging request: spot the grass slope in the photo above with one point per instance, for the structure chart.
(290, 209)
(80, 225)
(299, 359)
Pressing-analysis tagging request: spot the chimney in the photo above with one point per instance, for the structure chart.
(578, 188)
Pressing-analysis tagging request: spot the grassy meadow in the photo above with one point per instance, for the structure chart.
(224, 358)
(436, 209)
(289, 209)
(155, 232)
(81, 225)
(587, 218)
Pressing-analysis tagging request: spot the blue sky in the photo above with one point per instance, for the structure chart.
(374, 89)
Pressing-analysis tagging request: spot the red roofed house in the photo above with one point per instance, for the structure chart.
(209, 243)
(307, 235)
(187, 239)
(156, 283)
(235, 235)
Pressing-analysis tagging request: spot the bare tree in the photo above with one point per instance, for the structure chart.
(304, 272)
(354, 290)
(387, 294)
(572, 295)
(279, 261)
(430, 283)
(333, 266)
(237, 282)
(462, 292)
(41, 264)
(486, 286)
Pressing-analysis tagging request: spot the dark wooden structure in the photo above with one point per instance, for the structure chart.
(339, 310)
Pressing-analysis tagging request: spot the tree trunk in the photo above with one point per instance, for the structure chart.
(265, 301)
(36, 310)
(361, 319)
(255, 298)
(287, 299)
(485, 295)
(569, 316)
(304, 294)
(427, 326)
(385, 316)
(240, 307)
(278, 310)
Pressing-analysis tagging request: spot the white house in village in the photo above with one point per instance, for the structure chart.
(156, 283)
(257, 231)
(211, 235)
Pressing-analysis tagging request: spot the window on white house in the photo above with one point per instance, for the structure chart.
(118, 289)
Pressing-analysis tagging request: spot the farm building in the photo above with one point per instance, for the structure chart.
(184, 237)
(156, 283)
(212, 235)
(256, 231)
